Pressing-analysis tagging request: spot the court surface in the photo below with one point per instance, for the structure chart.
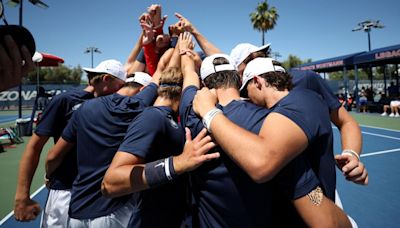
(375, 205)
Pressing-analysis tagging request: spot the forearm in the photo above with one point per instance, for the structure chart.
(321, 213)
(349, 130)
(134, 53)
(205, 45)
(124, 180)
(27, 168)
(190, 76)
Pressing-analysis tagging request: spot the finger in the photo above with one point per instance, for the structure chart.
(188, 135)
(200, 136)
(203, 141)
(205, 148)
(4, 58)
(360, 179)
(355, 172)
(13, 51)
(208, 157)
(28, 61)
(178, 15)
(351, 165)
(214, 91)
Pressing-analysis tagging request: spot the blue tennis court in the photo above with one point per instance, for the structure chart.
(375, 205)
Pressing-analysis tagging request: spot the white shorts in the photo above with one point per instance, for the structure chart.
(56, 212)
(394, 103)
(118, 218)
(338, 203)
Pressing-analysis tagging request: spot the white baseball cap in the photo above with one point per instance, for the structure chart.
(243, 50)
(111, 66)
(208, 67)
(257, 67)
(140, 77)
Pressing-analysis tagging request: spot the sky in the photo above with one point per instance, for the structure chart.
(309, 29)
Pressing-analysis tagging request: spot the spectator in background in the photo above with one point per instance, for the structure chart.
(394, 108)
(363, 100)
(42, 98)
(393, 90)
(369, 93)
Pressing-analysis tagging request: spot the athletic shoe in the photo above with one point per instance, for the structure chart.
(391, 115)
(397, 115)
(384, 114)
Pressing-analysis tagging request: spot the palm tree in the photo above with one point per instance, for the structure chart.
(264, 18)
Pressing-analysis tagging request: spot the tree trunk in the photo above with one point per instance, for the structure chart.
(263, 37)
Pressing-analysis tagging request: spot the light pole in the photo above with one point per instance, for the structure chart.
(91, 50)
(15, 3)
(366, 26)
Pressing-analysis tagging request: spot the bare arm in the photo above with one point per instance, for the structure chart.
(56, 155)
(161, 65)
(126, 172)
(132, 65)
(190, 77)
(26, 209)
(320, 211)
(353, 169)
(204, 44)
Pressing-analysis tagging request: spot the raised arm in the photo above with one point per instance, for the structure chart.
(126, 173)
(204, 44)
(190, 77)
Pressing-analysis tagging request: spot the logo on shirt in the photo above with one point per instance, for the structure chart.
(76, 107)
(172, 122)
(160, 164)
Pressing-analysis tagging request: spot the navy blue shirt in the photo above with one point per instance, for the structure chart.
(306, 79)
(98, 128)
(224, 194)
(54, 119)
(311, 114)
(154, 134)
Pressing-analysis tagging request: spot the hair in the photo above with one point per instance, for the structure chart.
(171, 81)
(278, 79)
(223, 79)
(253, 55)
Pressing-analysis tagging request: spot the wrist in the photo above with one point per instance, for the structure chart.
(352, 153)
(209, 116)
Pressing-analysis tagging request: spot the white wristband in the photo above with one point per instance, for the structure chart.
(351, 152)
(209, 116)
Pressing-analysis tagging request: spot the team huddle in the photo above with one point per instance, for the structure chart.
(178, 138)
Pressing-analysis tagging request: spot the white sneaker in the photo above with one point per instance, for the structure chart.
(384, 114)
(391, 115)
(397, 115)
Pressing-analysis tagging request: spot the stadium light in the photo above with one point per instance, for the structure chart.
(366, 26)
(92, 50)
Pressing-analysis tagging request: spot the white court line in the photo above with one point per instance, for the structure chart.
(380, 152)
(380, 135)
(12, 212)
(381, 128)
(374, 134)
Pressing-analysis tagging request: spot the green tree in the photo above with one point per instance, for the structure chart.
(264, 18)
(60, 74)
(293, 61)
